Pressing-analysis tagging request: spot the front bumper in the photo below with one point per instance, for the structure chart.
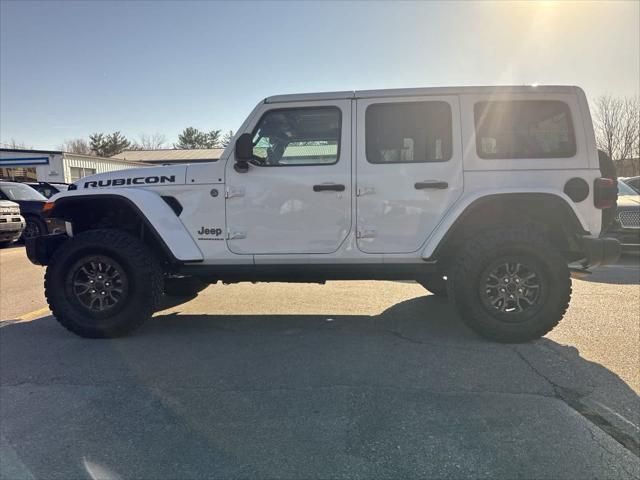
(11, 228)
(41, 248)
(599, 250)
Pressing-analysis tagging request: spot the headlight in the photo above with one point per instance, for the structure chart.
(10, 210)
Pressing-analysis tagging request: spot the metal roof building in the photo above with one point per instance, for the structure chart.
(55, 166)
(171, 155)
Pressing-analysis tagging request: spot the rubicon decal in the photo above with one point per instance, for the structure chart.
(118, 182)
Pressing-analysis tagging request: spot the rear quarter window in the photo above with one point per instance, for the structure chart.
(524, 129)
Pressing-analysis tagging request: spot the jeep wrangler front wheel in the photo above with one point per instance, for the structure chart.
(103, 283)
(510, 285)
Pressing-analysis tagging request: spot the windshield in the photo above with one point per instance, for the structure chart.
(18, 191)
(624, 189)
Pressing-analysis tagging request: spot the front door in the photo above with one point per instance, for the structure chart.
(296, 196)
(408, 170)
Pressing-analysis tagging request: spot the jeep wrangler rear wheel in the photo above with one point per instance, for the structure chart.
(103, 283)
(510, 285)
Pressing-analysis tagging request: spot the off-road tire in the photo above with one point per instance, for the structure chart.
(436, 284)
(183, 286)
(140, 267)
(524, 244)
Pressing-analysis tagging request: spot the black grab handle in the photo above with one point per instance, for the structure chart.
(325, 187)
(437, 185)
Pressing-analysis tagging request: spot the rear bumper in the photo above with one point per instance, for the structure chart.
(599, 250)
(629, 238)
(40, 249)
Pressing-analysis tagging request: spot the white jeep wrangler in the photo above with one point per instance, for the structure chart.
(488, 195)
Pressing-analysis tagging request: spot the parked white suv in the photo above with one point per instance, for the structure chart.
(490, 195)
(11, 223)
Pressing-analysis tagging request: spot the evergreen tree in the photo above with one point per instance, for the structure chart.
(227, 138)
(96, 143)
(212, 139)
(190, 138)
(108, 145)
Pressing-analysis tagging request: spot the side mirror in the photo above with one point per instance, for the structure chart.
(244, 147)
(243, 152)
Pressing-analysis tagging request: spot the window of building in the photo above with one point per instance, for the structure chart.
(298, 136)
(409, 132)
(524, 129)
(78, 172)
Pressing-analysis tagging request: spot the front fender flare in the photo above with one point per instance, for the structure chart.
(152, 210)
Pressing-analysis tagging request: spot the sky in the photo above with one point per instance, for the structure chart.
(68, 69)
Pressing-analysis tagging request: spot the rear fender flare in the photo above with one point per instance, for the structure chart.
(457, 213)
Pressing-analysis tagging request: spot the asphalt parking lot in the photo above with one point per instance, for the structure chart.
(345, 380)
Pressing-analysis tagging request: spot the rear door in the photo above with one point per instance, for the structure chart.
(408, 167)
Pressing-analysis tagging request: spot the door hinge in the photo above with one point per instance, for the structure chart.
(366, 233)
(234, 192)
(235, 235)
(360, 191)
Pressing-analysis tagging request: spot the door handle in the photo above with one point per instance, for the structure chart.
(435, 184)
(328, 187)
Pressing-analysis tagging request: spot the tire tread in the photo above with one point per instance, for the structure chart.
(142, 262)
(488, 242)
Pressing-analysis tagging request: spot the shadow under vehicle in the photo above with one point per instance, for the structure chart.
(394, 395)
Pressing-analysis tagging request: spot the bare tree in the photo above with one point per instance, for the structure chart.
(617, 126)
(151, 142)
(16, 145)
(76, 145)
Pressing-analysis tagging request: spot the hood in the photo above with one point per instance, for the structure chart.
(135, 177)
(628, 200)
(31, 206)
(8, 203)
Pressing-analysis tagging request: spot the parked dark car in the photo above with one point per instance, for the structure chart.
(31, 203)
(633, 182)
(626, 226)
(48, 189)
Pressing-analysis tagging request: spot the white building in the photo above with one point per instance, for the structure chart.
(172, 156)
(56, 166)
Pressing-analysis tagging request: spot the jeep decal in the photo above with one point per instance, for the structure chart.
(211, 233)
(118, 182)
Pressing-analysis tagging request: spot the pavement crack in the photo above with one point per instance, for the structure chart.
(149, 384)
(438, 344)
(606, 449)
(534, 369)
(404, 337)
(573, 400)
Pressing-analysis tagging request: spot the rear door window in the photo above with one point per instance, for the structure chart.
(409, 132)
(524, 129)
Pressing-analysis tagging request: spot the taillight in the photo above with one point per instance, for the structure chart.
(605, 192)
